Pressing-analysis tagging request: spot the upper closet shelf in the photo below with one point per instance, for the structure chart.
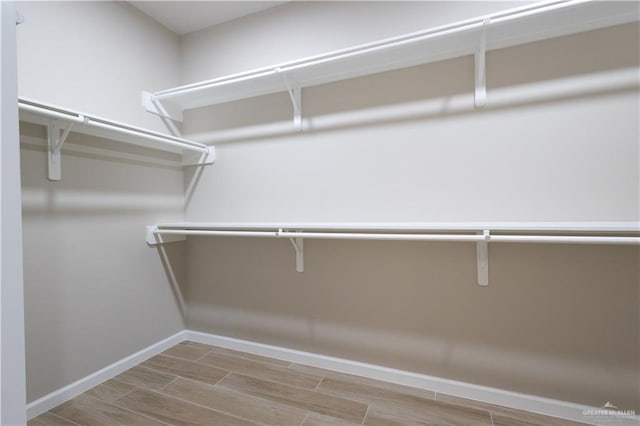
(530, 227)
(473, 36)
(61, 121)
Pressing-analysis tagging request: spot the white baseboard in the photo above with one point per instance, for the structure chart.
(74, 389)
(519, 401)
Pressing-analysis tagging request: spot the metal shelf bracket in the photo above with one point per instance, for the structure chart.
(295, 94)
(298, 245)
(194, 158)
(482, 254)
(55, 140)
(153, 238)
(480, 97)
(163, 109)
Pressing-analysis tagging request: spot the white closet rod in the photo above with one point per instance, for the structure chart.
(113, 126)
(166, 233)
(445, 30)
(486, 237)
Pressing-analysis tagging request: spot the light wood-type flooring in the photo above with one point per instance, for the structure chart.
(196, 384)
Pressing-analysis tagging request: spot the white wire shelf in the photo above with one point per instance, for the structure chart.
(61, 121)
(472, 36)
(481, 233)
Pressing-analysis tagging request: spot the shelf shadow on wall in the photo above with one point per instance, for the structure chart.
(541, 327)
(115, 179)
(556, 70)
(167, 252)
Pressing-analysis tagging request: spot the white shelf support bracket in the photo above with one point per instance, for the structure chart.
(153, 238)
(55, 140)
(482, 254)
(196, 158)
(480, 97)
(295, 93)
(298, 245)
(163, 109)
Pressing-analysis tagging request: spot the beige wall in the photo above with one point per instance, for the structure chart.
(409, 146)
(95, 57)
(299, 29)
(556, 321)
(94, 291)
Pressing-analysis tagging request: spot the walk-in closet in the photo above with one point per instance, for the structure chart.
(320, 213)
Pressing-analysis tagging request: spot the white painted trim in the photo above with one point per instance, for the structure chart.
(519, 401)
(12, 346)
(74, 389)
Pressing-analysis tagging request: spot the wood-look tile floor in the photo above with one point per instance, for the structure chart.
(196, 384)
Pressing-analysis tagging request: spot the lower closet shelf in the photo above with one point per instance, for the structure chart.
(610, 233)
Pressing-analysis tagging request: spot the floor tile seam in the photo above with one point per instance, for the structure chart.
(278, 401)
(293, 364)
(282, 405)
(384, 386)
(554, 420)
(455, 404)
(125, 394)
(299, 388)
(181, 358)
(175, 375)
(216, 383)
(368, 402)
(306, 416)
(366, 413)
(201, 406)
(113, 404)
(200, 357)
(487, 409)
(62, 417)
(120, 393)
(108, 387)
(251, 375)
(114, 378)
(277, 364)
(270, 364)
(322, 377)
(204, 364)
(240, 355)
(383, 389)
(230, 390)
(467, 406)
(153, 370)
(263, 364)
(435, 414)
(341, 398)
(164, 386)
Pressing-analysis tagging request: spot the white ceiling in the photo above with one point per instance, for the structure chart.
(183, 17)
